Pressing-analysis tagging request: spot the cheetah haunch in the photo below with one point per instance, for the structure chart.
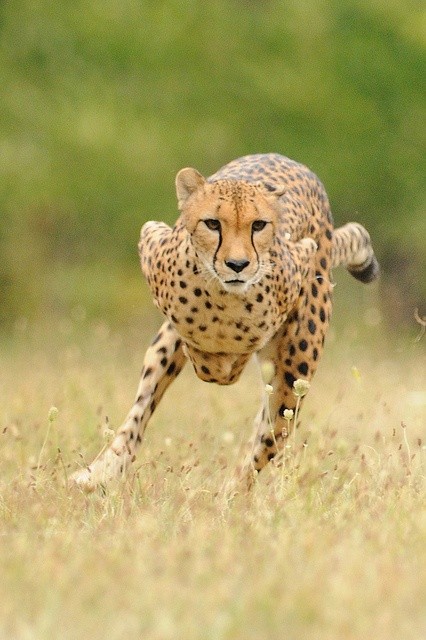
(245, 270)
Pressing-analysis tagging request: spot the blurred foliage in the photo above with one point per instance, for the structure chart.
(102, 102)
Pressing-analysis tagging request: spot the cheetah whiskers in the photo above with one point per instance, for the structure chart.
(265, 269)
(207, 273)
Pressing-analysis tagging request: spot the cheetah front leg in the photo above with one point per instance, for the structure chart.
(163, 361)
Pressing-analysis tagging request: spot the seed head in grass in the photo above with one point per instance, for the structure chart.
(300, 387)
(268, 371)
(108, 434)
(288, 415)
(53, 414)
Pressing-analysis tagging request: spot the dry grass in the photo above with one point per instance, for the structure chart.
(332, 546)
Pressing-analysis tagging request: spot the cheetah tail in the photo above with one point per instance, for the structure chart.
(352, 249)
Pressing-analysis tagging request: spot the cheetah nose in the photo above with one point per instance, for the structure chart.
(237, 265)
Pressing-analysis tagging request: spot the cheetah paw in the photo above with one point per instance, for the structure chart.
(108, 467)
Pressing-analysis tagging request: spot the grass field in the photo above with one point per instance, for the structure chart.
(330, 546)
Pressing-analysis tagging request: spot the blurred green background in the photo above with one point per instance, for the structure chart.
(103, 101)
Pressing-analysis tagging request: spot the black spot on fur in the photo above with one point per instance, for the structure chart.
(289, 378)
(171, 368)
(303, 368)
(303, 345)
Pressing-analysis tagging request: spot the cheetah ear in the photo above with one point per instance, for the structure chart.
(276, 190)
(187, 182)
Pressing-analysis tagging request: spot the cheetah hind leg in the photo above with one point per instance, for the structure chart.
(163, 361)
(271, 428)
(294, 352)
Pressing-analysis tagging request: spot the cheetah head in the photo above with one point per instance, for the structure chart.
(232, 227)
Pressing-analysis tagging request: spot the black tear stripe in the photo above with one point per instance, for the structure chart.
(255, 250)
(218, 247)
(252, 234)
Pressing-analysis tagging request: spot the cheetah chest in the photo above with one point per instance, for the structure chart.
(221, 330)
(216, 321)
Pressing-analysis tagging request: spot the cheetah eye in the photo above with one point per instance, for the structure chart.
(212, 224)
(258, 225)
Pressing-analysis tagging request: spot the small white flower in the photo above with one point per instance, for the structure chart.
(300, 387)
(108, 434)
(288, 414)
(53, 414)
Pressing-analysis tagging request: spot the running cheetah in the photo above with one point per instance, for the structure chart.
(245, 270)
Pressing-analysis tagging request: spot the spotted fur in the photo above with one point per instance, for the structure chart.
(245, 270)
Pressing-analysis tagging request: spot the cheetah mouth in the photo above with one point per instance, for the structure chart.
(237, 287)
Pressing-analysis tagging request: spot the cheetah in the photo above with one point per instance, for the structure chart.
(246, 270)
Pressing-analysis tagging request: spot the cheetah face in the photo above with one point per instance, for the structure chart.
(232, 227)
